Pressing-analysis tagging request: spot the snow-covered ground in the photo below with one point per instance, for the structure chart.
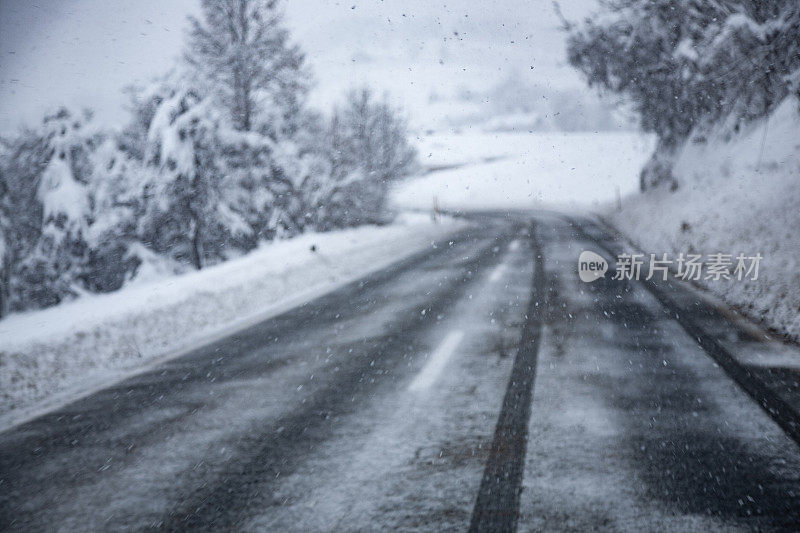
(69, 350)
(46, 356)
(739, 195)
(525, 170)
(736, 195)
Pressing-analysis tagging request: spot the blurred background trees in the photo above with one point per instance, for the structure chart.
(218, 155)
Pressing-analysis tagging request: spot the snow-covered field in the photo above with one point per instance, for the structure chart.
(739, 195)
(69, 350)
(525, 170)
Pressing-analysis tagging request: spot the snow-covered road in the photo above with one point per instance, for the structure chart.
(376, 406)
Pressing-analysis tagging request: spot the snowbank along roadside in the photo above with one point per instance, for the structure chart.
(737, 194)
(59, 354)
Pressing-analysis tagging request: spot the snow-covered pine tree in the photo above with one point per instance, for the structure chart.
(5, 229)
(116, 197)
(242, 48)
(5, 252)
(52, 270)
(24, 158)
(262, 176)
(191, 212)
(241, 53)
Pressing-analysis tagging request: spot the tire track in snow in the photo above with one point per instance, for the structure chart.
(497, 504)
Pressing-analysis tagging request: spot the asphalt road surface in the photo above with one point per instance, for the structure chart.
(478, 385)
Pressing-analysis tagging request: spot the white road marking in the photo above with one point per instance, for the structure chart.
(436, 362)
(497, 273)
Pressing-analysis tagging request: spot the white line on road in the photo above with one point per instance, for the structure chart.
(497, 273)
(436, 362)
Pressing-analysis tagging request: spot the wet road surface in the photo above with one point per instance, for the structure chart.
(478, 385)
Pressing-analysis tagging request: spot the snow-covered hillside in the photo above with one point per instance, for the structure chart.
(525, 170)
(737, 194)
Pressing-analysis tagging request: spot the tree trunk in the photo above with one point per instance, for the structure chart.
(197, 245)
(5, 284)
(3, 297)
(247, 108)
(242, 77)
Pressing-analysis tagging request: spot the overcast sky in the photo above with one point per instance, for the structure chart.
(83, 52)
